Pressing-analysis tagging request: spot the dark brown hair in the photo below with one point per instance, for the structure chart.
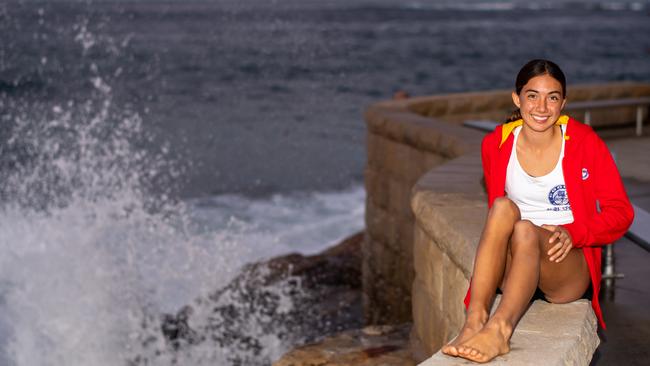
(535, 68)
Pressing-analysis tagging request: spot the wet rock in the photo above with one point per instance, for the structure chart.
(297, 299)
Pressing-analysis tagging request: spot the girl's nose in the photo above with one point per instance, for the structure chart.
(542, 106)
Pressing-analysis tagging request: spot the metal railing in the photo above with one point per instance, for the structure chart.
(640, 103)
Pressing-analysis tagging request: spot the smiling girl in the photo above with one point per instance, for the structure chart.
(544, 174)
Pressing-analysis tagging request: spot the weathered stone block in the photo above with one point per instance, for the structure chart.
(405, 234)
(437, 108)
(428, 263)
(425, 312)
(455, 286)
(382, 259)
(389, 273)
(397, 163)
(393, 302)
(426, 139)
(405, 277)
(432, 160)
(417, 157)
(380, 224)
(459, 104)
(399, 198)
(448, 146)
(376, 185)
(382, 269)
(376, 310)
(418, 351)
(486, 102)
(375, 149)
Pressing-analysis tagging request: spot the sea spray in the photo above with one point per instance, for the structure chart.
(91, 259)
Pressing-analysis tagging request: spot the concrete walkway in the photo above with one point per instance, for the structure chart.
(627, 338)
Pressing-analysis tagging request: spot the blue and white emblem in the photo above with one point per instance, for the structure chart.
(585, 174)
(557, 196)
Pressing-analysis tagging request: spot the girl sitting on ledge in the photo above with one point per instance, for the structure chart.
(554, 197)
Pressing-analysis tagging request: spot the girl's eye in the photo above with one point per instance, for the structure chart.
(555, 98)
(532, 96)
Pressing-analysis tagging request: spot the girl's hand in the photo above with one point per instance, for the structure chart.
(563, 242)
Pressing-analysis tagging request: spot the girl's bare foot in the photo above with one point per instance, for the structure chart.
(491, 341)
(473, 324)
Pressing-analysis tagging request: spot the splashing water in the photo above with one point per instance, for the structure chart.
(85, 249)
(91, 260)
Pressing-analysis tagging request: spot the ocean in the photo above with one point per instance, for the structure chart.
(150, 149)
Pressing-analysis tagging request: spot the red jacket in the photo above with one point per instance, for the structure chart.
(591, 180)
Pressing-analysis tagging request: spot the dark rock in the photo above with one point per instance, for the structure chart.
(296, 298)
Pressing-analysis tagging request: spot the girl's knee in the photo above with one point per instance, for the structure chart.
(525, 229)
(504, 205)
(525, 235)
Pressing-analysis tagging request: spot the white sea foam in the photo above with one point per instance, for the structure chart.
(303, 222)
(90, 261)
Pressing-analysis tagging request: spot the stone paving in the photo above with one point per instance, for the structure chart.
(370, 346)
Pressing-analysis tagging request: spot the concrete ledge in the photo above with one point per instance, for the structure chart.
(549, 334)
(450, 205)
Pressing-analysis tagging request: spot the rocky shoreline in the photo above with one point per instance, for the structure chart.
(333, 279)
(298, 299)
(312, 302)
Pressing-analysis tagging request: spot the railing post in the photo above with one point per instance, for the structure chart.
(639, 120)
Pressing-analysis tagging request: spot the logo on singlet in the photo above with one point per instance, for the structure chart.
(585, 174)
(557, 196)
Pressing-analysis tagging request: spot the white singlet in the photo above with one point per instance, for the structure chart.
(542, 200)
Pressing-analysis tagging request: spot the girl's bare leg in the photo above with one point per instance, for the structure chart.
(489, 267)
(528, 266)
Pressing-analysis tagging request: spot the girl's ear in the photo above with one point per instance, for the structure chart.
(563, 103)
(515, 99)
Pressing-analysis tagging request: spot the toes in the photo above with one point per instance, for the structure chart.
(450, 350)
(477, 356)
(471, 353)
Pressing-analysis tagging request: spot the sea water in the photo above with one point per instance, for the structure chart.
(91, 260)
(149, 150)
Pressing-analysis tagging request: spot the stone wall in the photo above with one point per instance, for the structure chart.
(433, 258)
(402, 146)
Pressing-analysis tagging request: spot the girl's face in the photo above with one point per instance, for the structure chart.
(540, 102)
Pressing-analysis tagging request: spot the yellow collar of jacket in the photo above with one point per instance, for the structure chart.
(507, 128)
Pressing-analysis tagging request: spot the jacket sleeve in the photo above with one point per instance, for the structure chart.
(486, 154)
(616, 213)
